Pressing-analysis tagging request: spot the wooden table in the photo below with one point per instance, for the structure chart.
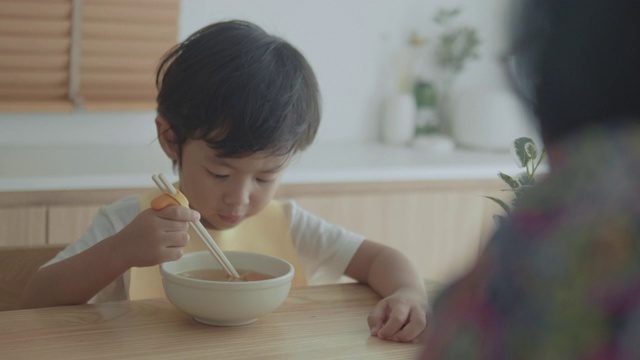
(317, 322)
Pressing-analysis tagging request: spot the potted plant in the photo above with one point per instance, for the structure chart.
(528, 158)
(455, 47)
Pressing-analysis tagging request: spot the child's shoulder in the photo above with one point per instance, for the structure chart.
(289, 206)
(297, 216)
(124, 202)
(122, 210)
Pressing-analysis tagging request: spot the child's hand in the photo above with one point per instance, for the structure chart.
(156, 236)
(401, 316)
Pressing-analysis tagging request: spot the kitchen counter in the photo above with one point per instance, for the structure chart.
(73, 167)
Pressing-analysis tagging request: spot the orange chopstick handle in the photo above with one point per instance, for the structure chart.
(165, 200)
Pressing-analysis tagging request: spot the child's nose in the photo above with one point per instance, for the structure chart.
(237, 194)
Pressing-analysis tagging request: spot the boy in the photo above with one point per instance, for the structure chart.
(234, 106)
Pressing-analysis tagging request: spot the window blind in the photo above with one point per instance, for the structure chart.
(122, 42)
(96, 55)
(34, 54)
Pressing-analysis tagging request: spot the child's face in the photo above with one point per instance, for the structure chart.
(228, 190)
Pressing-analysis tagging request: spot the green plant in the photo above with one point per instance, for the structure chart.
(457, 44)
(528, 157)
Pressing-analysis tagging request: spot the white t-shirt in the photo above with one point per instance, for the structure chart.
(324, 249)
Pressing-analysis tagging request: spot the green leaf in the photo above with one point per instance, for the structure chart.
(520, 147)
(502, 204)
(509, 180)
(521, 191)
(456, 47)
(444, 16)
(525, 180)
(531, 150)
(514, 201)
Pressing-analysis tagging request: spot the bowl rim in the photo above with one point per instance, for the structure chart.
(170, 276)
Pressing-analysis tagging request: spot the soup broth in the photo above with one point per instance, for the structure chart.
(221, 275)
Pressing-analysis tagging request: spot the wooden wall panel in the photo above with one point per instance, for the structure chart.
(66, 222)
(441, 232)
(23, 225)
(440, 225)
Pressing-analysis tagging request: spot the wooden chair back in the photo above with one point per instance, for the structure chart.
(17, 265)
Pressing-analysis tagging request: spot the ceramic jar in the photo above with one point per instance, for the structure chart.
(398, 119)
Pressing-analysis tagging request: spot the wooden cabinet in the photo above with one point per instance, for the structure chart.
(46, 224)
(66, 223)
(51, 217)
(439, 225)
(23, 225)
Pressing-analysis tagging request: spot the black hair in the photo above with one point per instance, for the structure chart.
(240, 89)
(577, 62)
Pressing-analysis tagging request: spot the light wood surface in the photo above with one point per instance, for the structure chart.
(316, 322)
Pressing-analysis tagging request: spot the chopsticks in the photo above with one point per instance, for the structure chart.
(166, 187)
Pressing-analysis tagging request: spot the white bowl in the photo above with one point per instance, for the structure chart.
(227, 303)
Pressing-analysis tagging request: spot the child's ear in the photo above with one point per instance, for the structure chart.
(167, 137)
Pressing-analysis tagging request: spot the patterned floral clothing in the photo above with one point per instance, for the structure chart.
(561, 278)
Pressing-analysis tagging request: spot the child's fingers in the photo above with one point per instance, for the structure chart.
(179, 213)
(176, 239)
(377, 317)
(415, 326)
(166, 226)
(396, 320)
(172, 253)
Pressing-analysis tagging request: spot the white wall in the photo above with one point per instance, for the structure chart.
(349, 43)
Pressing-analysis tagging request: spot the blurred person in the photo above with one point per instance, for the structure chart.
(560, 279)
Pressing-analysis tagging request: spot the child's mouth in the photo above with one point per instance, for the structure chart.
(230, 219)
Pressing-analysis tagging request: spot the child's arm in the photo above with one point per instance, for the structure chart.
(151, 238)
(402, 313)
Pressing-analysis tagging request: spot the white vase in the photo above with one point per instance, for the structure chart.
(488, 119)
(398, 119)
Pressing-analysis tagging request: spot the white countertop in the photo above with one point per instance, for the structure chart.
(71, 167)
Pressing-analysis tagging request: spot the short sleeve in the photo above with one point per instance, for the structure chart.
(108, 221)
(325, 249)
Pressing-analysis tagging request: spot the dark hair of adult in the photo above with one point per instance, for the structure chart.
(240, 89)
(577, 62)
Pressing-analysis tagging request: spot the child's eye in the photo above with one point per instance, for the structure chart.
(218, 176)
(264, 181)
